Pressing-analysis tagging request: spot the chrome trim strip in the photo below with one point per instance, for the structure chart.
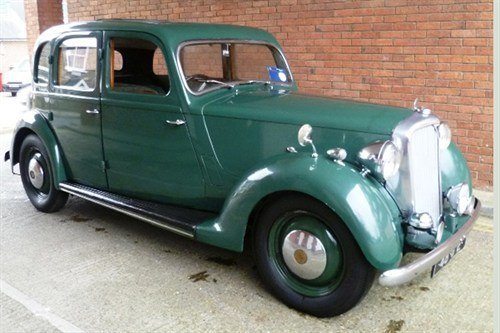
(404, 274)
(206, 41)
(67, 188)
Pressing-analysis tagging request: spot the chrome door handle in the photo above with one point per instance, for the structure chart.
(177, 122)
(95, 111)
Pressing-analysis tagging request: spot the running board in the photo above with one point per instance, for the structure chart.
(182, 221)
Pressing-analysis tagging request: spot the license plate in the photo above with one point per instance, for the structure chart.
(437, 267)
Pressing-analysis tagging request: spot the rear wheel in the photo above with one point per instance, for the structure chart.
(308, 258)
(37, 177)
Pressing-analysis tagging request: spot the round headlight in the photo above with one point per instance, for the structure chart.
(444, 135)
(389, 159)
(459, 198)
(463, 199)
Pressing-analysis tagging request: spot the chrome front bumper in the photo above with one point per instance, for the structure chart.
(404, 274)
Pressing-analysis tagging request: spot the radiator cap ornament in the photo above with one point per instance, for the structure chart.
(416, 108)
(420, 109)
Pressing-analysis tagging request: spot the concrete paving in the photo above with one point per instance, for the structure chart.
(98, 270)
(10, 111)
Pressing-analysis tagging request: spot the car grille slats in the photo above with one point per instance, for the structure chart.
(423, 155)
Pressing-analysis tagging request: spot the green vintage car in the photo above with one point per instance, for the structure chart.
(198, 129)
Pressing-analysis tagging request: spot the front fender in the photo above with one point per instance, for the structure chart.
(363, 204)
(453, 167)
(33, 122)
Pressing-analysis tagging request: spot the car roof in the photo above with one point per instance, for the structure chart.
(171, 33)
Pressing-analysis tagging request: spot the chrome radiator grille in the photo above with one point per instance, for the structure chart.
(423, 158)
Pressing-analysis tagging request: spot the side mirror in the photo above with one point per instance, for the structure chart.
(304, 138)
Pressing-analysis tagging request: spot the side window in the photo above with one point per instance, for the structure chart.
(117, 61)
(159, 64)
(42, 64)
(77, 63)
(137, 66)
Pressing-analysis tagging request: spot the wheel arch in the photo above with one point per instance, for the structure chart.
(263, 203)
(19, 137)
(34, 123)
(371, 216)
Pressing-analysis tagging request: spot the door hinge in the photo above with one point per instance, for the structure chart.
(104, 165)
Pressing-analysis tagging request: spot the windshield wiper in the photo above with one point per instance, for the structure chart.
(204, 82)
(254, 82)
(218, 82)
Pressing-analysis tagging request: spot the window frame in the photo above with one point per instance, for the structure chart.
(291, 84)
(55, 62)
(125, 34)
(38, 53)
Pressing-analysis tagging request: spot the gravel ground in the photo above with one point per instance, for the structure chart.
(89, 268)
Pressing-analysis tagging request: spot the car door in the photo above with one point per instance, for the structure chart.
(147, 146)
(75, 105)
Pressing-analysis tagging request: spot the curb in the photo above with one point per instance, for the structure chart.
(487, 199)
(486, 211)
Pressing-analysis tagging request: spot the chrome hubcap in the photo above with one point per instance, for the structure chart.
(35, 172)
(304, 254)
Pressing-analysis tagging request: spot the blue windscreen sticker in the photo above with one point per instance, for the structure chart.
(276, 74)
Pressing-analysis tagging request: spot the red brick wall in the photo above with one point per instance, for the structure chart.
(382, 51)
(41, 15)
(32, 26)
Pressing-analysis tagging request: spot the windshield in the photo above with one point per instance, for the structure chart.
(209, 66)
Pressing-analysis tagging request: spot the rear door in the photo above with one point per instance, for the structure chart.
(147, 145)
(75, 104)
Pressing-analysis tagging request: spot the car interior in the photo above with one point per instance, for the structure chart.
(138, 66)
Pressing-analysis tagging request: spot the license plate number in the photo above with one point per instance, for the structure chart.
(437, 267)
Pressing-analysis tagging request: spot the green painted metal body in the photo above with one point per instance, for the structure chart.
(363, 205)
(231, 155)
(454, 170)
(33, 122)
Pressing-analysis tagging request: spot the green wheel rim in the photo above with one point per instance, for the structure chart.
(329, 280)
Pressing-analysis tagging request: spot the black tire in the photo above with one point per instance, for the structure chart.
(13, 93)
(353, 283)
(47, 198)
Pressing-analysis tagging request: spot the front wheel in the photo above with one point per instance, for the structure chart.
(37, 177)
(308, 258)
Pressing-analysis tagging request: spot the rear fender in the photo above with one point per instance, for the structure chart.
(363, 204)
(33, 122)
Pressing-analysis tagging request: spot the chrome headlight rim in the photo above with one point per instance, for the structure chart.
(444, 132)
(383, 158)
(389, 159)
(460, 198)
